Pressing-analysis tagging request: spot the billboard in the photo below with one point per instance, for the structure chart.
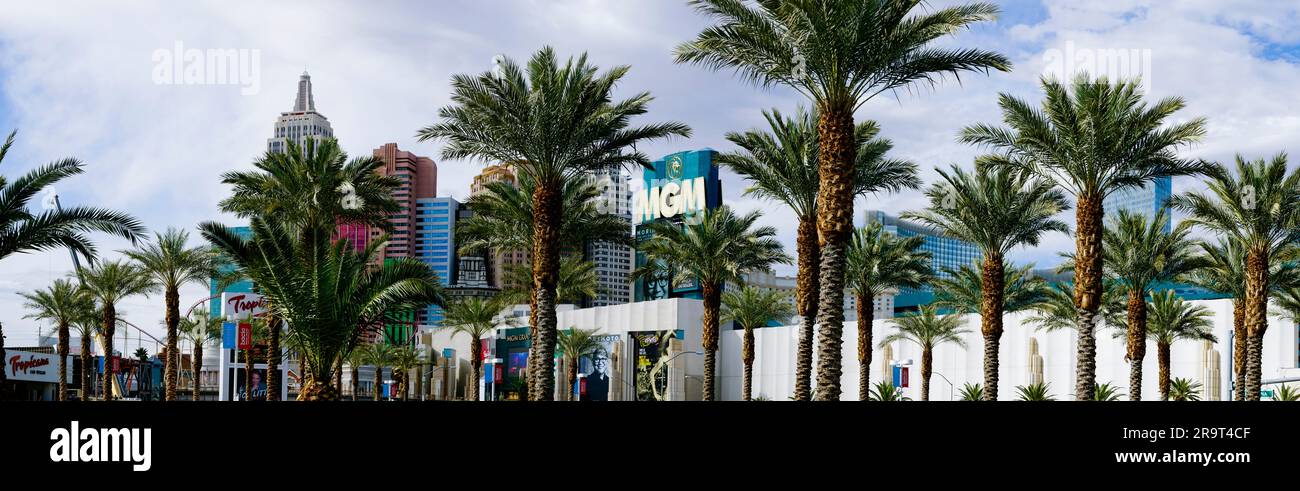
(34, 367)
(650, 354)
(598, 368)
(678, 188)
(259, 384)
(238, 305)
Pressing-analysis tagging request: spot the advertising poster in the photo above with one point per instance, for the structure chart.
(598, 368)
(259, 385)
(649, 349)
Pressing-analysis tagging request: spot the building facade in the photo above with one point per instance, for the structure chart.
(419, 180)
(613, 261)
(435, 242)
(679, 187)
(946, 253)
(499, 261)
(301, 123)
(1146, 200)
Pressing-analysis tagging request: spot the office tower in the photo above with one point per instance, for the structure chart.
(302, 122)
(435, 244)
(613, 261)
(419, 180)
(500, 261)
(946, 253)
(1146, 200)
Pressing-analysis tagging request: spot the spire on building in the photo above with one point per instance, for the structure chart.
(304, 101)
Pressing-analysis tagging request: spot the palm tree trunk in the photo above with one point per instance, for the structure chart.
(712, 293)
(927, 362)
(572, 377)
(248, 375)
(197, 363)
(273, 360)
(1256, 316)
(173, 318)
(315, 390)
(356, 382)
(110, 324)
(471, 392)
(87, 382)
(547, 203)
(379, 382)
(1087, 290)
(338, 376)
(1239, 341)
(865, 316)
(63, 361)
(806, 295)
(747, 356)
(991, 300)
(1137, 342)
(835, 156)
(1162, 357)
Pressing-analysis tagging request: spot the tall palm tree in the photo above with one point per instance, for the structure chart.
(840, 54)
(575, 343)
(349, 293)
(880, 262)
(553, 123)
(721, 247)
(1091, 138)
(1138, 254)
(109, 282)
(380, 355)
(22, 231)
(1172, 319)
(997, 210)
(753, 308)
(473, 317)
(962, 290)
(200, 328)
(405, 358)
(355, 359)
(61, 303)
(1259, 208)
(172, 266)
(927, 329)
(781, 166)
(503, 218)
(1224, 271)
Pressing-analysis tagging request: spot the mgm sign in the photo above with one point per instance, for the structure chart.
(679, 188)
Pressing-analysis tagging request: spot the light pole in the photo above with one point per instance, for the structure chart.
(945, 379)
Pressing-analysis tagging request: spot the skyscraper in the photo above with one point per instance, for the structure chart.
(302, 122)
(419, 177)
(500, 261)
(613, 261)
(1146, 200)
(435, 244)
(946, 253)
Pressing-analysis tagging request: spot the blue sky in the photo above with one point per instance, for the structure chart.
(83, 85)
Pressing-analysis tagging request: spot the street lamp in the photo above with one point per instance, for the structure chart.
(945, 379)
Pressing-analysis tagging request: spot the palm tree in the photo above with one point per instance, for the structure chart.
(782, 166)
(1091, 138)
(753, 308)
(380, 355)
(405, 358)
(1139, 254)
(200, 328)
(61, 304)
(1223, 270)
(1034, 392)
(1106, 393)
(577, 281)
(971, 392)
(997, 211)
(840, 54)
(109, 282)
(553, 123)
(721, 247)
(1286, 393)
(87, 324)
(886, 392)
(1182, 389)
(355, 359)
(22, 231)
(172, 266)
(962, 290)
(349, 292)
(1172, 319)
(927, 329)
(575, 343)
(1260, 209)
(475, 318)
(1057, 309)
(503, 218)
(877, 263)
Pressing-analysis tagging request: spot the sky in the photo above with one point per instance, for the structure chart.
(93, 85)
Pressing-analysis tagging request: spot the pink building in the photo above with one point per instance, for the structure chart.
(419, 176)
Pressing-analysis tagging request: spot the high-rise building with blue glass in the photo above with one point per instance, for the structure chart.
(1146, 200)
(435, 244)
(946, 253)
